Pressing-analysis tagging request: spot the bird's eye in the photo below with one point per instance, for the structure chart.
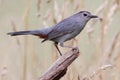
(85, 14)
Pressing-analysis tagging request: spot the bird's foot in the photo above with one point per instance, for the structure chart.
(75, 49)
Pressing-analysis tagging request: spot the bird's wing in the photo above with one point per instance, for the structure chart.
(64, 27)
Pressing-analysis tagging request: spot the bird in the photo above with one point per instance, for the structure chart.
(61, 32)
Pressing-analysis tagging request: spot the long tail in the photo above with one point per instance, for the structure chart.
(42, 33)
(19, 33)
(38, 33)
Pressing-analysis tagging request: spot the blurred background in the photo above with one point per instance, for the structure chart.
(25, 58)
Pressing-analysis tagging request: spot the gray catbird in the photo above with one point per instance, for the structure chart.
(62, 31)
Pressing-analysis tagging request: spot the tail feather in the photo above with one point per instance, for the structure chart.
(19, 33)
(40, 34)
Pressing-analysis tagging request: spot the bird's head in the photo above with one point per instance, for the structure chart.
(85, 15)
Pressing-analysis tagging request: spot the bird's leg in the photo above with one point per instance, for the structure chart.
(56, 45)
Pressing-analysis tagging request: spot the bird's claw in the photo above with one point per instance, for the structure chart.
(75, 49)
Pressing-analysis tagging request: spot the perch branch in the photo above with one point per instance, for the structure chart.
(59, 67)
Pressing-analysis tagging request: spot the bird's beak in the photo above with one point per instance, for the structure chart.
(93, 16)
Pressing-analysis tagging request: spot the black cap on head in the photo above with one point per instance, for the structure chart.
(88, 14)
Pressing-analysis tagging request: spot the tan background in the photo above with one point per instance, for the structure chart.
(25, 58)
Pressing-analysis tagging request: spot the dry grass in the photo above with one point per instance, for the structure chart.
(26, 58)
